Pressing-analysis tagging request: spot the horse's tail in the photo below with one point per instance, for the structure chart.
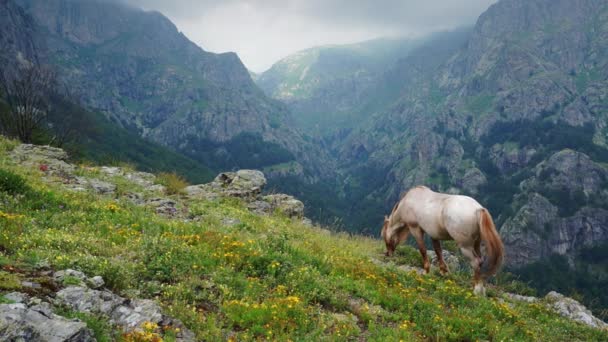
(494, 246)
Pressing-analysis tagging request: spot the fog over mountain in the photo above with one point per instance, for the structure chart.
(262, 32)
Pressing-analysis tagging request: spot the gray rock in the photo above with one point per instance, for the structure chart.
(31, 284)
(163, 206)
(307, 222)
(96, 282)
(59, 276)
(83, 299)
(144, 179)
(573, 310)
(16, 297)
(19, 323)
(158, 188)
(55, 159)
(101, 187)
(112, 170)
(260, 207)
(242, 184)
(128, 314)
(287, 204)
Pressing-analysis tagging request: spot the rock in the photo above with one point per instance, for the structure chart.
(31, 285)
(242, 184)
(95, 282)
(54, 159)
(537, 231)
(59, 276)
(82, 299)
(101, 187)
(135, 198)
(132, 314)
(111, 170)
(287, 204)
(128, 314)
(16, 297)
(163, 206)
(260, 207)
(307, 222)
(144, 179)
(573, 310)
(19, 323)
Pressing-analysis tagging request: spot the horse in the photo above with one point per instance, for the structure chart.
(446, 217)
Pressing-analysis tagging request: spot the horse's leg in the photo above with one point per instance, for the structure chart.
(475, 260)
(419, 236)
(443, 268)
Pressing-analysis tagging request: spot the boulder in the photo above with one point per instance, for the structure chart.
(53, 159)
(59, 276)
(39, 324)
(101, 187)
(128, 314)
(95, 282)
(242, 184)
(287, 204)
(573, 310)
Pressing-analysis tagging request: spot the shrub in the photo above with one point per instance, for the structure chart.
(173, 182)
(12, 184)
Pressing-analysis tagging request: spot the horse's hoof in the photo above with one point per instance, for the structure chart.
(479, 290)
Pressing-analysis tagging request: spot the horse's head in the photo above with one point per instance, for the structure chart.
(389, 240)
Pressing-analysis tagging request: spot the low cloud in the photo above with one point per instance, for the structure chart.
(263, 31)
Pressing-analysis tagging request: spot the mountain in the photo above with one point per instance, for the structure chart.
(91, 135)
(146, 76)
(330, 88)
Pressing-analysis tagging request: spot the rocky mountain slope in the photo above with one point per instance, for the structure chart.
(105, 253)
(146, 76)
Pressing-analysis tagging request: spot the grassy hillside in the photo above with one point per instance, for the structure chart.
(263, 278)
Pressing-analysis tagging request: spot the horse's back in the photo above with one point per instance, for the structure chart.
(441, 215)
(460, 217)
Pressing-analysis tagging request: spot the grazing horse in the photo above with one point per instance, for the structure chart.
(445, 217)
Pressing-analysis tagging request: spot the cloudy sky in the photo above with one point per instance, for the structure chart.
(263, 31)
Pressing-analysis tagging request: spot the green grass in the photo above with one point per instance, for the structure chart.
(265, 278)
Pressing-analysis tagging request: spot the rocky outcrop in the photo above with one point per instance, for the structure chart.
(573, 310)
(286, 204)
(540, 228)
(31, 317)
(241, 184)
(51, 160)
(37, 323)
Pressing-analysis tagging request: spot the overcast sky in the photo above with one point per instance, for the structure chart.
(264, 31)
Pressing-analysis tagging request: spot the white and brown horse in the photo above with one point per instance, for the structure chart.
(445, 217)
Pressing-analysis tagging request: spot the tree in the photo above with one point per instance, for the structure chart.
(26, 91)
